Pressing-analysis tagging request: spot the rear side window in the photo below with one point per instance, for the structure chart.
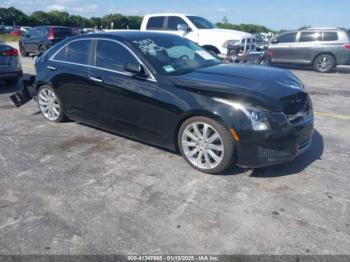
(75, 52)
(287, 38)
(330, 36)
(310, 36)
(155, 23)
(62, 31)
(174, 21)
(113, 56)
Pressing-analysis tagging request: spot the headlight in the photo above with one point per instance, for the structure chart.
(230, 43)
(257, 116)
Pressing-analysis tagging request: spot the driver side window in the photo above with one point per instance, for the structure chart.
(113, 56)
(173, 22)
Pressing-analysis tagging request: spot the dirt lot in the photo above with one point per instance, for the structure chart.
(71, 189)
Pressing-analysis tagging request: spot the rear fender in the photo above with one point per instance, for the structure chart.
(25, 94)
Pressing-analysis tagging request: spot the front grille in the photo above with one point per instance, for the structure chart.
(297, 107)
(265, 153)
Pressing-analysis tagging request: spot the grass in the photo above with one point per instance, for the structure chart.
(9, 38)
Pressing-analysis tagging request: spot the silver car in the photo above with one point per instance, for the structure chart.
(323, 48)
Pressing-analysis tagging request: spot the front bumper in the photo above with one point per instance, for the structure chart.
(275, 146)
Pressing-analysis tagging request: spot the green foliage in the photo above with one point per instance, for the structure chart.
(9, 38)
(11, 16)
(250, 28)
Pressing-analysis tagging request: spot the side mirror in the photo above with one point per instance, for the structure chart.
(274, 41)
(27, 35)
(135, 69)
(183, 28)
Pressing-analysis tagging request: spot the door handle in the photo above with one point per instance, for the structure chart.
(52, 68)
(96, 79)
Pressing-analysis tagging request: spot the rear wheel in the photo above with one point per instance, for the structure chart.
(324, 63)
(23, 51)
(50, 105)
(206, 145)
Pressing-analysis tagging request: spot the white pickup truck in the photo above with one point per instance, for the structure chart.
(199, 30)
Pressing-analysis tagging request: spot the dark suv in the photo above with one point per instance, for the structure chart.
(323, 48)
(41, 38)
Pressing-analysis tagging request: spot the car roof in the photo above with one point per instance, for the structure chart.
(128, 35)
(168, 14)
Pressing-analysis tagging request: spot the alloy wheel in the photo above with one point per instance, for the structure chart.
(202, 145)
(48, 104)
(324, 64)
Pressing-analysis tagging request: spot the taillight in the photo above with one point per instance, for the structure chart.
(269, 53)
(12, 52)
(347, 46)
(50, 35)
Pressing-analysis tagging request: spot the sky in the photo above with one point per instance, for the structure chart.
(275, 14)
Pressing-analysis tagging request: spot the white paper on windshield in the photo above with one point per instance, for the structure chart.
(169, 68)
(205, 55)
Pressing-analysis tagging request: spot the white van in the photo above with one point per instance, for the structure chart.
(199, 30)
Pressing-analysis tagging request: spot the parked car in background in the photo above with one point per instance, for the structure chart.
(323, 48)
(25, 29)
(261, 42)
(16, 31)
(5, 29)
(199, 30)
(10, 65)
(166, 90)
(40, 38)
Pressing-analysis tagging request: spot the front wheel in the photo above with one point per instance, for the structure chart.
(324, 63)
(206, 145)
(49, 104)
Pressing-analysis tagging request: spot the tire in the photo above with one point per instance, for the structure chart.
(49, 105)
(23, 51)
(199, 153)
(324, 63)
(42, 48)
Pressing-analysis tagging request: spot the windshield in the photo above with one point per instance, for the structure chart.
(173, 55)
(200, 22)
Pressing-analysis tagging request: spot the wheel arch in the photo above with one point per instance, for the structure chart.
(211, 48)
(324, 53)
(194, 113)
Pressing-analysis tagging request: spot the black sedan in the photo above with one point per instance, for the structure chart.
(10, 65)
(165, 90)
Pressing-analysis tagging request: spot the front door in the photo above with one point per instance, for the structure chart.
(125, 103)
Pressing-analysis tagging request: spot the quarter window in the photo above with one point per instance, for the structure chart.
(310, 36)
(174, 21)
(155, 23)
(287, 38)
(113, 56)
(330, 36)
(75, 52)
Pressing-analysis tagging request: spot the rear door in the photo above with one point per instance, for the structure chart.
(125, 103)
(69, 73)
(306, 48)
(155, 23)
(282, 51)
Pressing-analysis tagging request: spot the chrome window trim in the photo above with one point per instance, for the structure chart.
(150, 78)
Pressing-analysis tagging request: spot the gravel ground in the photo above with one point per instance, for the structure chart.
(71, 189)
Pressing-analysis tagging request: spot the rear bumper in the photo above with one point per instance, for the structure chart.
(271, 148)
(17, 73)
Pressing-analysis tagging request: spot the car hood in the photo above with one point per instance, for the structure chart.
(226, 33)
(262, 85)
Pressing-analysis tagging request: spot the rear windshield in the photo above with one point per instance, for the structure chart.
(62, 31)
